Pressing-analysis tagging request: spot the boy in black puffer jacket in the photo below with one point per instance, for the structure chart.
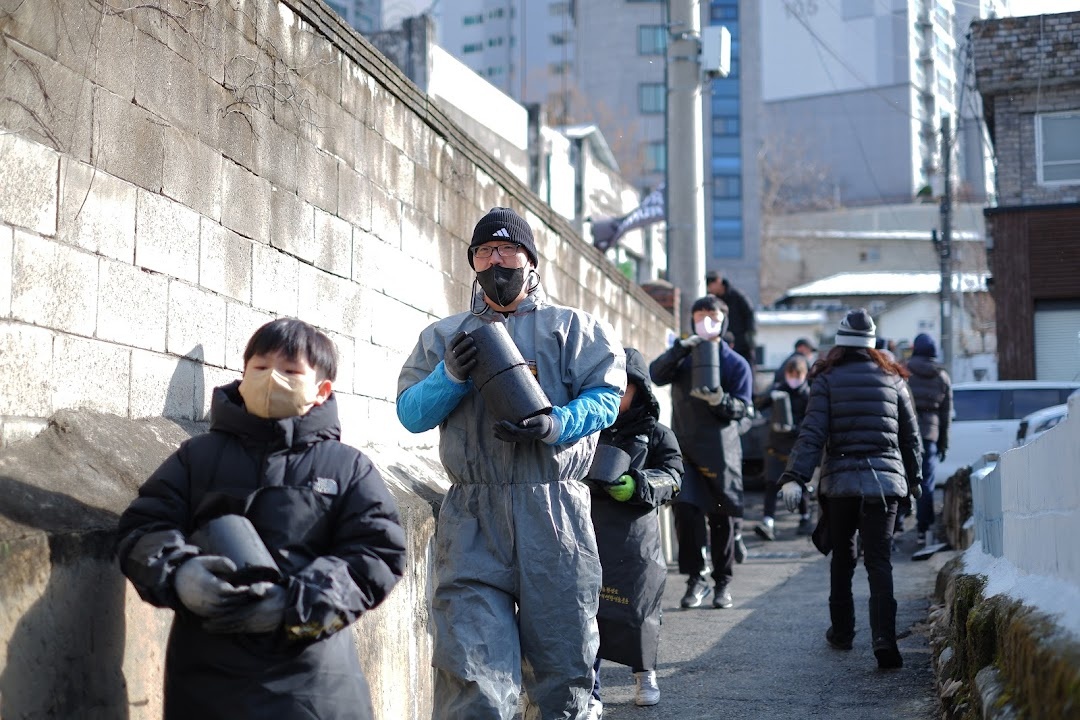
(628, 534)
(781, 439)
(246, 649)
(931, 390)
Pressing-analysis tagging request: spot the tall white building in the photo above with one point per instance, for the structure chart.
(364, 15)
(855, 91)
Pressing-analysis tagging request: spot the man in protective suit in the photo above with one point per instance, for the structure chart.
(707, 423)
(516, 564)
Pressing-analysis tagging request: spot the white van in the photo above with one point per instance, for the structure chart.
(986, 416)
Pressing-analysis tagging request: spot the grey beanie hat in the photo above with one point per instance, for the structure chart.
(502, 223)
(856, 330)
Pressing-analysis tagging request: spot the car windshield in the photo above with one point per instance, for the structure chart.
(977, 404)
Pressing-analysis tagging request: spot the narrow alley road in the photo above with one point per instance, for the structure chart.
(766, 658)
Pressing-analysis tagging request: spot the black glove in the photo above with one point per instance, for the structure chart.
(263, 613)
(941, 455)
(537, 427)
(916, 490)
(713, 397)
(460, 357)
(202, 591)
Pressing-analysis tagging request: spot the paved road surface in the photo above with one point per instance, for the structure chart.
(766, 658)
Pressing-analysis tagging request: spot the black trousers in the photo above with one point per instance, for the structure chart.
(873, 519)
(692, 534)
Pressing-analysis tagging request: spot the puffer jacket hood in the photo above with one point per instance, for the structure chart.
(637, 372)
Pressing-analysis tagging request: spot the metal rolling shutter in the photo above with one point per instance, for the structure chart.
(1057, 340)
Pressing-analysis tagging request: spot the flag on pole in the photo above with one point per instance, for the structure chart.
(607, 231)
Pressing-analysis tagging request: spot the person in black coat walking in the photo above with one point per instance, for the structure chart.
(788, 399)
(740, 313)
(707, 423)
(272, 461)
(932, 391)
(628, 533)
(861, 415)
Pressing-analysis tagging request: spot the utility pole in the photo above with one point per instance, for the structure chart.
(685, 185)
(945, 247)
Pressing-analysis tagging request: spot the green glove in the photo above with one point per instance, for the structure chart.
(622, 489)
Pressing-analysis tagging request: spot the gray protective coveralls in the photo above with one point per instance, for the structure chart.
(517, 571)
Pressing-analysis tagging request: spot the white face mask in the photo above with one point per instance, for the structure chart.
(708, 328)
(270, 394)
(793, 383)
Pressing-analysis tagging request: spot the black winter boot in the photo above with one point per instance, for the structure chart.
(842, 631)
(883, 630)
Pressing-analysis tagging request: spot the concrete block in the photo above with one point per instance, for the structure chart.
(114, 66)
(192, 173)
(128, 141)
(353, 415)
(224, 261)
(166, 236)
(46, 101)
(133, 306)
(316, 177)
(53, 285)
(13, 429)
(346, 351)
(385, 216)
(7, 247)
(90, 374)
(357, 88)
(333, 244)
(426, 192)
(274, 278)
(163, 385)
(275, 156)
(28, 175)
(377, 370)
(196, 319)
(420, 239)
(329, 301)
(97, 211)
(208, 378)
(292, 224)
(354, 197)
(25, 370)
(395, 325)
(317, 62)
(400, 176)
(245, 202)
(168, 85)
(375, 263)
(241, 322)
(336, 133)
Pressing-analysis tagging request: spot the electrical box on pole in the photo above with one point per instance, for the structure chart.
(715, 51)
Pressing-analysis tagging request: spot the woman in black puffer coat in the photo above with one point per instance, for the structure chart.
(862, 417)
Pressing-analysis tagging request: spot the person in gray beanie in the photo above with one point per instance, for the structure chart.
(860, 414)
(931, 388)
(517, 573)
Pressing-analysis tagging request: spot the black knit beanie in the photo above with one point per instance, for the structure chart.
(503, 223)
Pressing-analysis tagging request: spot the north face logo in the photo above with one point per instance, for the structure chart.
(502, 232)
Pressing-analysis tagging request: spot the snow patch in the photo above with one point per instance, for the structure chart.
(1052, 596)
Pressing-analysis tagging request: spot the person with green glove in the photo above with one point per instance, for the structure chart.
(625, 517)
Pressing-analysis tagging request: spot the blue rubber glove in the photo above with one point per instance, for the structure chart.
(622, 489)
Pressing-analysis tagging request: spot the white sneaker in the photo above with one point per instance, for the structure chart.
(596, 710)
(648, 693)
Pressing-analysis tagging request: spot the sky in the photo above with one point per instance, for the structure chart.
(1042, 7)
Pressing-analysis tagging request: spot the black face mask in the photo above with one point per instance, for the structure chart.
(501, 284)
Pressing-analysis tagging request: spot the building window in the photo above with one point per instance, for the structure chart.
(497, 13)
(725, 187)
(559, 68)
(473, 47)
(725, 126)
(656, 157)
(870, 255)
(1057, 146)
(472, 19)
(559, 8)
(651, 98)
(560, 38)
(651, 40)
(495, 42)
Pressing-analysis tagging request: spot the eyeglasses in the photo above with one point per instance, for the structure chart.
(507, 251)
